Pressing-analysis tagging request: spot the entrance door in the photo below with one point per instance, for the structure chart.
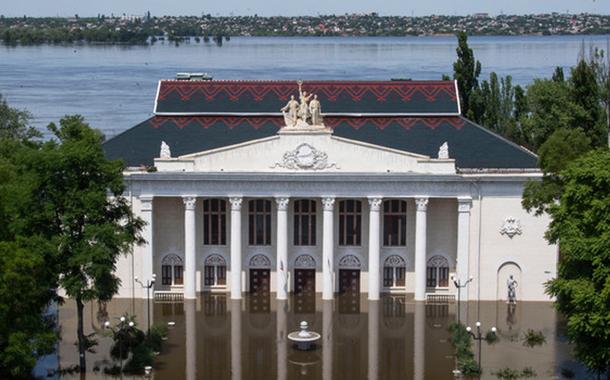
(259, 281)
(304, 281)
(349, 281)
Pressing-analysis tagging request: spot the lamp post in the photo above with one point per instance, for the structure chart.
(119, 334)
(459, 285)
(149, 284)
(478, 336)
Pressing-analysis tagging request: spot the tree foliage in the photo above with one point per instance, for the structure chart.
(466, 71)
(581, 226)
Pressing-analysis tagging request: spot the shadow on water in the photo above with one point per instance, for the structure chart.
(215, 337)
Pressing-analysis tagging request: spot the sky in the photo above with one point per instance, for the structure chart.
(84, 8)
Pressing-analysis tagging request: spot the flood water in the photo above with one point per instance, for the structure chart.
(395, 338)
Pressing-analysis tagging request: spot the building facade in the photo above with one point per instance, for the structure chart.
(373, 187)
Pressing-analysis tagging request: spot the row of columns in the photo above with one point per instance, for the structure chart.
(328, 203)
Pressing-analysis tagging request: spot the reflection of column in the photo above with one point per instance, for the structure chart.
(191, 340)
(328, 244)
(373, 340)
(327, 340)
(189, 247)
(236, 339)
(282, 248)
(419, 341)
(235, 247)
(374, 208)
(420, 248)
(463, 235)
(282, 349)
(146, 213)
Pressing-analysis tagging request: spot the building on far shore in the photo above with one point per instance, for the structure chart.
(389, 189)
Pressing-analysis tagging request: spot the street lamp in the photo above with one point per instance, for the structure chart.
(459, 285)
(119, 333)
(149, 284)
(479, 337)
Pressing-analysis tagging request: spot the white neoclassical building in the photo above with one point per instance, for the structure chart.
(392, 191)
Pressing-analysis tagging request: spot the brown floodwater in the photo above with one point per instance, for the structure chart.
(394, 338)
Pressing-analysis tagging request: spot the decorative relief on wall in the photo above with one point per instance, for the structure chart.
(189, 202)
(349, 262)
(216, 260)
(328, 203)
(438, 262)
(282, 203)
(305, 262)
(171, 259)
(395, 261)
(511, 227)
(421, 203)
(260, 261)
(236, 203)
(305, 157)
(375, 204)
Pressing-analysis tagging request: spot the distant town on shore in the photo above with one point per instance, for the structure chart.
(145, 29)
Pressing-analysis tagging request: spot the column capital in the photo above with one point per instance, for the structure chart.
(146, 202)
(328, 203)
(282, 203)
(236, 203)
(375, 203)
(464, 204)
(421, 203)
(189, 202)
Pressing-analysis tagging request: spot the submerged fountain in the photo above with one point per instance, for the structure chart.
(304, 340)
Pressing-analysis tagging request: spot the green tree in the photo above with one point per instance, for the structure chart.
(601, 65)
(83, 211)
(585, 92)
(581, 226)
(466, 71)
(14, 123)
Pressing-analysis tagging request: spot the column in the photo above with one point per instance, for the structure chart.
(281, 339)
(419, 341)
(146, 213)
(282, 248)
(420, 248)
(374, 221)
(236, 247)
(235, 339)
(189, 247)
(328, 244)
(191, 339)
(373, 340)
(463, 243)
(327, 340)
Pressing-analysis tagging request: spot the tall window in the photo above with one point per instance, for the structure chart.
(394, 269)
(305, 222)
(394, 223)
(171, 270)
(259, 222)
(214, 222)
(350, 221)
(437, 272)
(215, 271)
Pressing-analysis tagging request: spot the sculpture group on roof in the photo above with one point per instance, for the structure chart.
(303, 113)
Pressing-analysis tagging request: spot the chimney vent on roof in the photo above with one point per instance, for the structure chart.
(193, 76)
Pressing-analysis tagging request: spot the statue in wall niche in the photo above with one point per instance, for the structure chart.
(290, 112)
(512, 284)
(443, 151)
(315, 109)
(165, 151)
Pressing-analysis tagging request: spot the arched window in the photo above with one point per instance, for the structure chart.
(394, 268)
(350, 220)
(437, 275)
(394, 223)
(171, 270)
(215, 271)
(214, 222)
(305, 222)
(259, 222)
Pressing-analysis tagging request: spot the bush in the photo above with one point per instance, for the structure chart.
(461, 341)
(533, 338)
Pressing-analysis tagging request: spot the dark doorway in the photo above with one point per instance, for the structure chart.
(304, 281)
(260, 290)
(349, 281)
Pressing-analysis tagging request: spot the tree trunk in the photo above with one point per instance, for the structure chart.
(608, 125)
(82, 345)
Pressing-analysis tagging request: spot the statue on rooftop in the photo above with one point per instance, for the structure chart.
(315, 109)
(304, 113)
(290, 112)
(304, 106)
(443, 151)
(165, 151)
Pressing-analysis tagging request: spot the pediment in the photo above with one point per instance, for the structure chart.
(299, 152)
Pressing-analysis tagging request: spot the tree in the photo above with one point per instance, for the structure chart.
(80, 207)
(466, 71)
(581, 226)
(562, 147)
(14, 123)
(585, 93)
(601, 66)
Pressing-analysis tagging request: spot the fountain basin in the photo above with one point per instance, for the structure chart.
(304, 340)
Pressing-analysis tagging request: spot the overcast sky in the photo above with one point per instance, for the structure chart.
(296, 7)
